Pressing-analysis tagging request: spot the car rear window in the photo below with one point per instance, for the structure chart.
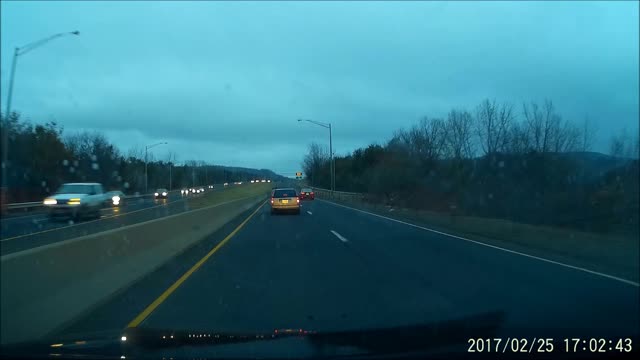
(284, 193)
(307, 190)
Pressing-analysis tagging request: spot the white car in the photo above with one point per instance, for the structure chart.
(76, 200)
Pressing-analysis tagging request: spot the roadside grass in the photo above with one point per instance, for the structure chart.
(615, 255)
(233, 192)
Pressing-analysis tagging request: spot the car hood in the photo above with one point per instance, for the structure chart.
(68, 196)
(434, 339)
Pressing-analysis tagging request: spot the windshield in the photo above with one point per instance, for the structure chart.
(75, 189)
(337, 167)
(281, 193)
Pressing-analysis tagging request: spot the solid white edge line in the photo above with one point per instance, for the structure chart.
(629, 282)
(342, 238)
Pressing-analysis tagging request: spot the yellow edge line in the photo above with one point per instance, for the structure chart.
(146, 312)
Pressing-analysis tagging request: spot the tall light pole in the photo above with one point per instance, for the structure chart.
(332, 169)
(146, 152)
(5, 126)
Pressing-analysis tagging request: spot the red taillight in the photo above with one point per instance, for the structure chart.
(312, 193)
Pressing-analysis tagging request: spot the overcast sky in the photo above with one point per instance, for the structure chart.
(225, 82)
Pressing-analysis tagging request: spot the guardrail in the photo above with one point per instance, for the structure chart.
(337, 195)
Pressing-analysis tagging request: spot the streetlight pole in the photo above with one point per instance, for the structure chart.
(146, 156)
(5, 126)
(332, 169)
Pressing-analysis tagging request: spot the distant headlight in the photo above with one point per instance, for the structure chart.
(50, 201)
(164, 194)
(156, 194)
(74, 201)
(115, 198)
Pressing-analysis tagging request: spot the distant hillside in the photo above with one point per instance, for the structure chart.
(243, 174)
(594, 165)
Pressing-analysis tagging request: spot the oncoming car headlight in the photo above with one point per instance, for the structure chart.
(156, 194)
(116, 200)
(164, 194)
(50, 201)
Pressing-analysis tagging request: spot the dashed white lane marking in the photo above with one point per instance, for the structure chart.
(309, 212)
(342, 238)
(629, 282)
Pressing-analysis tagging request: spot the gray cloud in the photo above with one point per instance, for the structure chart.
(225, 82)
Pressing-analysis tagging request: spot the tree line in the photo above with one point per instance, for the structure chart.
(525, 164)
(42, 157)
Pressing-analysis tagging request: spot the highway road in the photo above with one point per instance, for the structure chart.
(28, 231)
(336, 268)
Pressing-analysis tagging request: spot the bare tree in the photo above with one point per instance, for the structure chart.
(317, 156)
(518, 139)
(587, 135)
(425, 141)
(458, 134)
(623, 145)
(564, 136)
(493, 123)
(547, 131)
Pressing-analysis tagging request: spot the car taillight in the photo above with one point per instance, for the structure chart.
(272, 200)
(312, 193)
(298, 201)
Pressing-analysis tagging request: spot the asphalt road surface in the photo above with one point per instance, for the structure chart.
(335, 268)
(29, 231)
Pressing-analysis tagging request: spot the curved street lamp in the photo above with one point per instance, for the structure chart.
(5, 127)
(332, 166)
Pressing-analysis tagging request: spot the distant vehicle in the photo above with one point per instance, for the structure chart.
(76, 200)
(211, 186)
(307, 193)
(226, 184)
(114, 198)
(263, 180)
(161, 194)
(285, 199)
(268, 180)
(252, 181)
